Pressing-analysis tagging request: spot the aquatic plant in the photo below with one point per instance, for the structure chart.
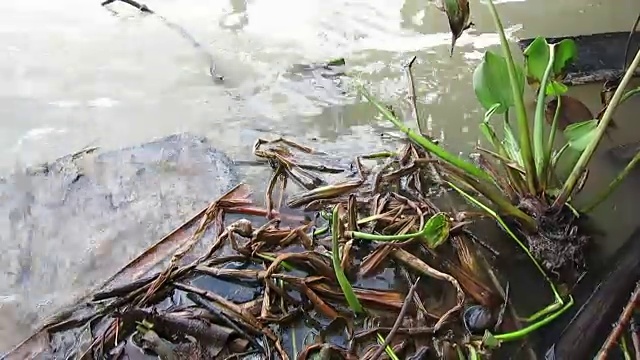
(521, 180)
(518, 182)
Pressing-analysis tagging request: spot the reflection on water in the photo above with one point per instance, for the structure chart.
(74, 74)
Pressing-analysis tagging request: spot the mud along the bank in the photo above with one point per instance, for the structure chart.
(68, 225)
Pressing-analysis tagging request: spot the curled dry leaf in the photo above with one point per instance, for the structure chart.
(459, 15)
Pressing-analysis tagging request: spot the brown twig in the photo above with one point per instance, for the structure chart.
(418, 265)
(623, 321)
(412, 92)
(135, 4)
(628, 46)
(405, 331)
(224, 318)
(249, 318)
(414, 108)
(398, 322)
(635, 336)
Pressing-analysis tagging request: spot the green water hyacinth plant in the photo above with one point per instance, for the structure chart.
(518, 176)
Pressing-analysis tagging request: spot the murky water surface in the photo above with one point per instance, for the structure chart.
(74, 74)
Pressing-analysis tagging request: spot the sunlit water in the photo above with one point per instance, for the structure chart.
(74, 74)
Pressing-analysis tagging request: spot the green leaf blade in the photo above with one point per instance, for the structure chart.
(344, 283)
(541, 154)
(537, 56)
(437, 230)
(566, 53)
(580, 135)
(491, 83)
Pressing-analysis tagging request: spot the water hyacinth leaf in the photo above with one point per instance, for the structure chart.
(541, 155)
(579, 135)
(489, 113)
(489, 134)
(556, 88)
(490, 341)
(491, 82)
(510, 144)
(487, 129)
(437, 230)
(536, 57)
(458, 14)
(566, 52)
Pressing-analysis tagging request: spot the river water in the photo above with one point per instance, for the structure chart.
(73, 73)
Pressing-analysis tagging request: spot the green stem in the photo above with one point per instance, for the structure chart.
(284, 264)
(629, 94)
(624, 348)
(496, 197)
(552, 138)
(515, 179)
(521, 111)
(461, 355)
(519, 334)
(613, 185)
(584, 159)
(373, 237)
(294, 345)
(345, 285)
(320, 231)
(512, 143)
(542, 154)
(497, 217)
(547, 310)
(429, 145)
(473, 353)
(388, 349)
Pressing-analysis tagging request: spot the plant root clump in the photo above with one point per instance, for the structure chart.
(559, 244)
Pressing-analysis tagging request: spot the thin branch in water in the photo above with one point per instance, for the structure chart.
(623, 321)
(199, 300)
(183, 33)
(398, 323)
(412, 92)
(414, 107)
(135, 4)
(635, 336)
(628, 46)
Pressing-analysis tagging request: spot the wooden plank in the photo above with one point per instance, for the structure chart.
(600, 56)
(589, 327)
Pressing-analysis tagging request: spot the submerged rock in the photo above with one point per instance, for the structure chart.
(68, 225)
